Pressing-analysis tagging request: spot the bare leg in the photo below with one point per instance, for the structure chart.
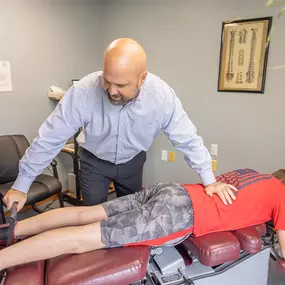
(58, 218)
(69, 240)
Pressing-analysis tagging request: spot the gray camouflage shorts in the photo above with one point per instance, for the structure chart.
(154, 212)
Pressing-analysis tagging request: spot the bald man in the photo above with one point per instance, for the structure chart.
(121, 109)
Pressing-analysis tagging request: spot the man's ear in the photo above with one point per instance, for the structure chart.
(142, 78)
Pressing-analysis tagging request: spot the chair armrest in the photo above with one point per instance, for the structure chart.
(54, 168)
(53, 163)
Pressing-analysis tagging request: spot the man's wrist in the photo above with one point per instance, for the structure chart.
(207, 178)
(22, 184)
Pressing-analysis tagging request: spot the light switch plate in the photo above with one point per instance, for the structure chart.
(214, 149)
(164, 155)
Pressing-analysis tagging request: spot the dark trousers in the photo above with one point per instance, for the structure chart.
(95, 176)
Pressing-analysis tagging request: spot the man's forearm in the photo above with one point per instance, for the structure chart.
(62, 124)
(198, 158)
(281, 240)
(37, 157)
(178, 127)
(200, 161)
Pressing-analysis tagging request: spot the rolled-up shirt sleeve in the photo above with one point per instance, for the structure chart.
(183, 135)
(62, 124)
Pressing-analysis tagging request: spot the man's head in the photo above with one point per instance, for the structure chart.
(124, 70)
(280, 175)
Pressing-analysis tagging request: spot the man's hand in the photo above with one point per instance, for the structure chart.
(15, 196)
(223, 190)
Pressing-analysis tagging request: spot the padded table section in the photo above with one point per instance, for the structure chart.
(261, 229)
(250, 238)
(27, 274)
(220, 247)
(214, 248)
(120, 266)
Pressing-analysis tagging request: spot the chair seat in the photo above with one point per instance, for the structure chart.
(120, 266)
(42, 188)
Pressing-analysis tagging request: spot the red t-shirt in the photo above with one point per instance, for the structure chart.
(260, 198)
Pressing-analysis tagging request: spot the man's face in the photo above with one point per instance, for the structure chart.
(120, 87)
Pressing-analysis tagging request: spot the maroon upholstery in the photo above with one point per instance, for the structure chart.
(214, 249)
(249, 239)
(120, 266)
(261, 229)
(217, 248)
(27, 274)
(281, 264)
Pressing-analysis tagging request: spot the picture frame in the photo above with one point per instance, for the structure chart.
(244, 55)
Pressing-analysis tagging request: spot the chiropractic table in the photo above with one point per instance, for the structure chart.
(239, 257)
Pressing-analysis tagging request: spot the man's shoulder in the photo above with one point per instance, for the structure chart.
(156, 82)
(85, 95)
(89, 88)
(91, 80)
(158, 89)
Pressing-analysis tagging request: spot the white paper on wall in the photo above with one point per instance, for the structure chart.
(5, 76)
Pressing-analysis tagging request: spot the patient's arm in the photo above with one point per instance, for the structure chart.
(281, 240)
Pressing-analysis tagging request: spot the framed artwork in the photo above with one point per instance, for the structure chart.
(244, 55)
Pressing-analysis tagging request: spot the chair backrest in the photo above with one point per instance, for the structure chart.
(12, 148)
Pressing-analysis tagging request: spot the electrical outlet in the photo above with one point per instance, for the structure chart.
(164, 155)
(214, 165)
(214, 149)
(171, 156)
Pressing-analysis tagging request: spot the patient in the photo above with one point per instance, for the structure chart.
(154, 216)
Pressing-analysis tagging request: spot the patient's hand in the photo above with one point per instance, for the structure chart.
(15, 196)
(281, 240)
(223, 190)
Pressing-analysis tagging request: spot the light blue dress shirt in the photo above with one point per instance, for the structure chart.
(115, 133)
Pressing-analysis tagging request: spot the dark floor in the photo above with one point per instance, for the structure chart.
(275, 277)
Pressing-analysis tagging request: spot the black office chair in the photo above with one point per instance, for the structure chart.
(12, 148)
